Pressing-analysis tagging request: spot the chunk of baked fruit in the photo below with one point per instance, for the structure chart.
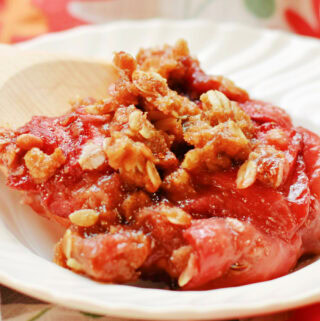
(175, 176)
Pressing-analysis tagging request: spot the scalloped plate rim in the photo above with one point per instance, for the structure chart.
(186, 310)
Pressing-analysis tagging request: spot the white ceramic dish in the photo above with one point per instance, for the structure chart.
(273, 66)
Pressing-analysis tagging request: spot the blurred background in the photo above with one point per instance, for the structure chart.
(24, 19)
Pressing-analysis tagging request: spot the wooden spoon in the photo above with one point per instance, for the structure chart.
(43, 84)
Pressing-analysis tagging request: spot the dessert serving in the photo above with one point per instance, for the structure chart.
(176, 176)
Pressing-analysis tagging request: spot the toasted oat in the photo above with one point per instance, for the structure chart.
(188, 273)
(153, 174)
(67, 243)
(166, 212)
(200, 129)
(158, 96)
(266, 164)
(218, 109)
(84, 217)
(197, 131)
(134, 160)
(42, 166)
(28, 141)
(232, 141)
(216, 105)
(139, 124)
(67, 247)
(133, 123)
(176, 215)
(74, 264)
(247, 174)
(92, 156)
(179, 260)
(150, 84)
(135, 119)
(272, 166)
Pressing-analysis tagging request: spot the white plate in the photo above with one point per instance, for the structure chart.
(273, 66)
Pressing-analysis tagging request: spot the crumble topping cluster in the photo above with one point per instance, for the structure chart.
(158, 132)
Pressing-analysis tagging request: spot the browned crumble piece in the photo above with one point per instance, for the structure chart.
(125, 63)
(120, 264)
(228, 142)
(92, 156)
(28, 141)
(165, 223)
(134, 202)
(198, 131)
(41, 165)
(135, 168)
(105, 195)
(176, 65)
(218, 109)
(172, 126)
(133, 123)
(164, 60)
(265, 163)
(229, 88)
(179, 260)
(158, 96)
(134, 160)
(122, 92)
(178, 185)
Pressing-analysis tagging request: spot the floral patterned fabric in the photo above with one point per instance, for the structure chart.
(301, 25)
(24, 19)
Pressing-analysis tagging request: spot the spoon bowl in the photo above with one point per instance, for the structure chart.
(37, 83)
